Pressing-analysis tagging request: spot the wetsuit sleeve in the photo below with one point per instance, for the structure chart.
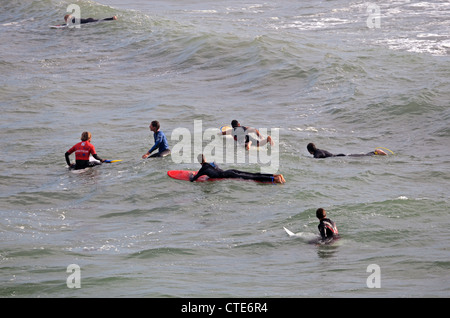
(94, 153)
(322, 154)
(67, 154)
(200, 173)
(97, 157)
(71, 150)
(158, 140)
(322, 231)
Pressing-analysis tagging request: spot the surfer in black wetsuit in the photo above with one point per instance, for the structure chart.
(319, 153)
(241, 134)
(68, 17)
(327, 228)
(213, 171)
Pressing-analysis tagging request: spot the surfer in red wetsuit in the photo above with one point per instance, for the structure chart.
(327, 228)
(213, 171)
(82, 151)
(69, 17)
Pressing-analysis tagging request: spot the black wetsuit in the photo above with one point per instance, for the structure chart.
(328, 229)
(89, 20)
(319, 153)
(213, 171)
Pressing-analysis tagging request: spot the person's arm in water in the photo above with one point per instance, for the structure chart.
(96, 157)
(158, 140)
(322, 230)
(201, 172)
(67, 154)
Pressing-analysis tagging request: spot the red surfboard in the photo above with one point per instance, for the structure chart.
(185, 174)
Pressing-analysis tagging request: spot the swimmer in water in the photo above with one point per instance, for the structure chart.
(241, 134)
(71, 18)
(327, 228)
(319, 153)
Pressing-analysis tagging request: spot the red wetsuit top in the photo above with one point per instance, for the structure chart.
(82, 150)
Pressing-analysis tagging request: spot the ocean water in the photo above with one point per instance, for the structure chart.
(347, 75)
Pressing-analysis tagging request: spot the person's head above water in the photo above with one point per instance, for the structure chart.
(85, 136)
(67, 17)
(321, 213)
(155, 124)
(311, 147)
(235, 123)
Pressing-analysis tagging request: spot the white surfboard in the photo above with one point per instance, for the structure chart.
(290, 233)
(303, 235)
(59, 26)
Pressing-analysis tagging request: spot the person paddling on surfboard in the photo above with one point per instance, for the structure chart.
(213, 171)
(82, 151)
(160, 142)
(241, 134)
(319, 153)
(71, 18)
(327, 228)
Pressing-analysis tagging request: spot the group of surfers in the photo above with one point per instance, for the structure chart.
(84, 149)
(327, 228)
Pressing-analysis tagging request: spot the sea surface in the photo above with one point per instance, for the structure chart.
(349, 76)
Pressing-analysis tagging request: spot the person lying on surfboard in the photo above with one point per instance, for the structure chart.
(327, 228)
(241, 134)
(213, 171)
(160, 142)
(319, 153)
(69, 17)
(82, 151)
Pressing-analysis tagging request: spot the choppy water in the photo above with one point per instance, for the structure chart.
(322, 72)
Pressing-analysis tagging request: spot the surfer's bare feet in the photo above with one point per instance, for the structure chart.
(278, 178)
(380, 152)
